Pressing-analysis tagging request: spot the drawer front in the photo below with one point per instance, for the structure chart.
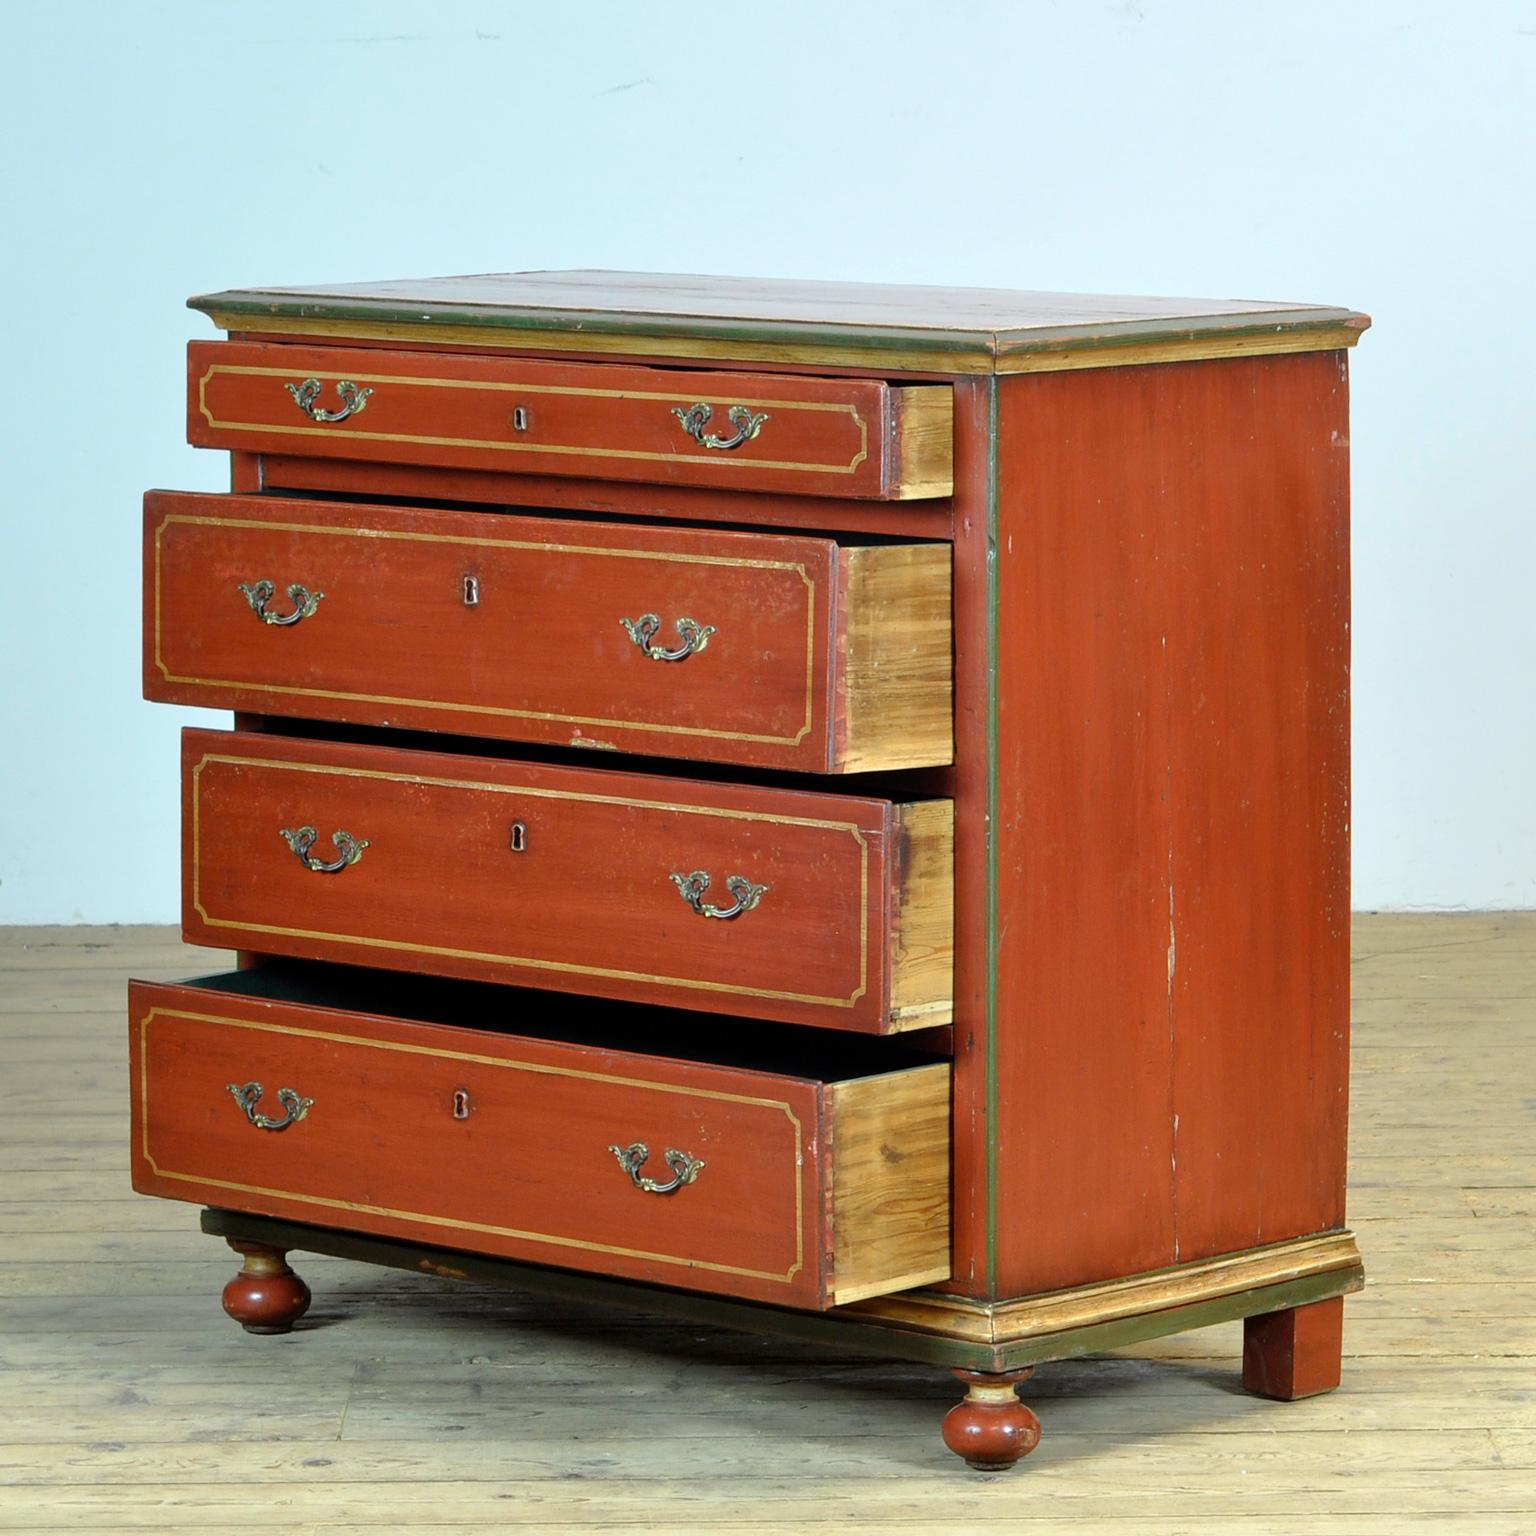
(858, 438)
(811, 908)
(760, 649)
(506, 1145)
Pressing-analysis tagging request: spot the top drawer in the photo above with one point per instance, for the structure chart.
(859, 438)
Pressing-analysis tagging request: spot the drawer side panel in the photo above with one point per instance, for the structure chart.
(890, 1148)
(895, 644)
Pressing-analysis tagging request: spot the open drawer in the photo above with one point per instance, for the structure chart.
(858, 438)
(812, 908)
(782, 1165)
(766, 649)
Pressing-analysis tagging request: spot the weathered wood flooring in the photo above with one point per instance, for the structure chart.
(129, 1403)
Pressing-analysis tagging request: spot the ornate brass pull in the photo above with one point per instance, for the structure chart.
(259, 593)
(693, 887)
(643, 630)
(696, 417)
(632, 1159)
(302, 839)
(248, 1095)
(353, 399)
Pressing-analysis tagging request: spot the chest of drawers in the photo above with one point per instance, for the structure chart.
(818, 807)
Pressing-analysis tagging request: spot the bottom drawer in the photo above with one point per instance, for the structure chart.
(782, 1166)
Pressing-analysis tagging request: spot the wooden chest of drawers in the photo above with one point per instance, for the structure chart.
(651, 692)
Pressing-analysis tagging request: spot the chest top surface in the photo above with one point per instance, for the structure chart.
(963, 330)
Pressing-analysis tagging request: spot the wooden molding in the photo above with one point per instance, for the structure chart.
(857, 1327)
(1043, 356)
(1001, 1323)
(884, 328)
(1182, 349)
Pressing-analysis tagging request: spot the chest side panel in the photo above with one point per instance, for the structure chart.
(1173, 827)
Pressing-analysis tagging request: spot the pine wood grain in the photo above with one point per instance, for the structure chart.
(923, 916)
(893, 676)
(889, 1181)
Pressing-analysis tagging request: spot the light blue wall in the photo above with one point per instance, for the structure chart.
(1366, 154)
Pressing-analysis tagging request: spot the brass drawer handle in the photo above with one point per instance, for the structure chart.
(306, 394)
(259, 593)
(696, 417)
(248, 1095)
(302, 839)
(632, 1159)
(694, 886)
(643, 630)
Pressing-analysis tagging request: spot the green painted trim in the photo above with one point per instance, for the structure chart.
(984, 344)
(1125, 1331)
(835, 1329)
(994, 905)
(1135, 333)
(598, 322)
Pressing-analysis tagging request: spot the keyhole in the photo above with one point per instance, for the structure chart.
(471, 591)
(520, 418)
(519, 837)
(461, 1104)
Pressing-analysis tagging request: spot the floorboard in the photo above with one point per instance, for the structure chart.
(129, 1403)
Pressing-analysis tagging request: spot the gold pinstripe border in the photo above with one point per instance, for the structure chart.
(501, 446)
(472, 541)
(442, 1054)
(608, 973)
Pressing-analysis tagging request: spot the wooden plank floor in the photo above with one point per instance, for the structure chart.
(129, 1403)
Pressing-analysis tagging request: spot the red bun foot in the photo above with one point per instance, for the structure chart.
(991, 1429)
(266, 1296)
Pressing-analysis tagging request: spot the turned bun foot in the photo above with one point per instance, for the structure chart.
(991, 1429)
(266, 1296)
